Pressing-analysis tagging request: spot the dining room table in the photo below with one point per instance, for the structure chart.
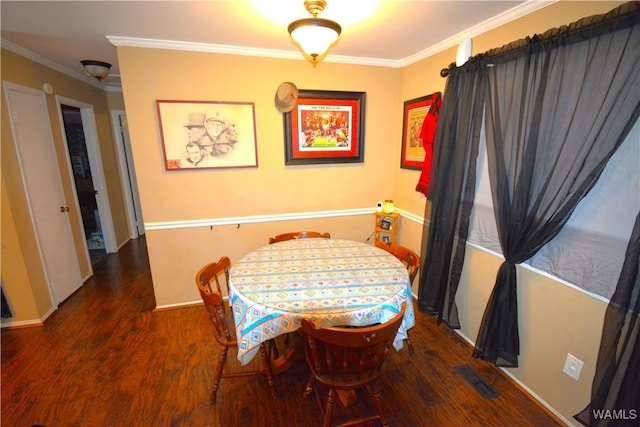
(333, 282)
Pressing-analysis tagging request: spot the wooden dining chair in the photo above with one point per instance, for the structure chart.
(347, 359)
(408, 257)
(411, 260)
(298, 235)
(210, 280)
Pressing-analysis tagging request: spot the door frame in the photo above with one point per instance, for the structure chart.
(127, 176)
(97, 172)
(8, 86)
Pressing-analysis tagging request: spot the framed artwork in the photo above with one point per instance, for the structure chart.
(385, 223)
(415, 110)
(325, 127)
(207, 134)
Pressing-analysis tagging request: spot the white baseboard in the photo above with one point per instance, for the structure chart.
(27, 323)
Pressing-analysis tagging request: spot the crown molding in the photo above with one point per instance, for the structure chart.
(505, 17)
(120, 41)
(6, 44)
(498, 20)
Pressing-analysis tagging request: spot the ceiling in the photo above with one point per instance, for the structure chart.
(377, 32)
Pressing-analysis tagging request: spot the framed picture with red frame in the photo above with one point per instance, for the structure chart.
(415, 111)
(325, 127)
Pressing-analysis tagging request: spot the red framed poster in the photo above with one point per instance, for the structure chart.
(325, 127)
(415, 111)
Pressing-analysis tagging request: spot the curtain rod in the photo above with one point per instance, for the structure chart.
(445, 71)
(624, 16)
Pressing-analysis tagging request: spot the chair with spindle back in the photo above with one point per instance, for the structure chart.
(298, 235)
(411, 260)
(347, 359)
(208, 280)
(408, 257)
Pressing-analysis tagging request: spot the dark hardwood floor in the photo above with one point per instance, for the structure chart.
(104, 358)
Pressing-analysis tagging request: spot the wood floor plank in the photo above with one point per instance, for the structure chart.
(105, 358)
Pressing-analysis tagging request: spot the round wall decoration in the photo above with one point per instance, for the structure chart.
(286, 97)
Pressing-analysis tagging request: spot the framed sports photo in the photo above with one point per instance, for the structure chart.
(415, 111)
(325, 127)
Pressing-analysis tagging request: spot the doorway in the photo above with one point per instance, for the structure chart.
(127, 174)
(85, 189)
(33, 140)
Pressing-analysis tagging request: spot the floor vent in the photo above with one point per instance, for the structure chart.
(480, 385)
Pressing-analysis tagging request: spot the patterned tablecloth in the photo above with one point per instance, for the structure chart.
(333, 282)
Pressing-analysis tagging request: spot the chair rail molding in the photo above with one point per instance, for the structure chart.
(211, 222)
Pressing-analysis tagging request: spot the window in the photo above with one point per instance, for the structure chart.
(590, 249)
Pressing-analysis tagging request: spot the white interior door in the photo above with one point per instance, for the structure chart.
(128, 174)
(33, 139)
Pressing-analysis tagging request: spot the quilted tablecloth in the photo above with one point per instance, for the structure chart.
(332, 281)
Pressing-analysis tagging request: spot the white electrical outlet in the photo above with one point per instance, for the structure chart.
(573, 366)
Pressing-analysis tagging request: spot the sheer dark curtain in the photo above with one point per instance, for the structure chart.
(554, 116)
(616, 384)
(452, 190)
(556, 108)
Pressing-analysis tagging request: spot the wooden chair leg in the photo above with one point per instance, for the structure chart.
(217, 373)
(273, 351)
(309, 388)
(328, 414)
(319, 400)
(374, 390)
(268, 371)
(408, 341)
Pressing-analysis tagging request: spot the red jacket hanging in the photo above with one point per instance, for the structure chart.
(427, 133)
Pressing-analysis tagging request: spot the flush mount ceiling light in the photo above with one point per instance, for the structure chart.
(97, 69)
(314, 35)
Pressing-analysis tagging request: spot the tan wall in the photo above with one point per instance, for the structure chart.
(115, 99)
(176, 254)
(20, 70)
(272, 188)
(22, 298)
(554, 318)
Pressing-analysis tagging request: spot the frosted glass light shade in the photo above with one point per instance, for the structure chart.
(97, 69)
(314, 35)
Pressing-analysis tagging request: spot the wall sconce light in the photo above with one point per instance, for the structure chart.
(314, 35)
(97, 69)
